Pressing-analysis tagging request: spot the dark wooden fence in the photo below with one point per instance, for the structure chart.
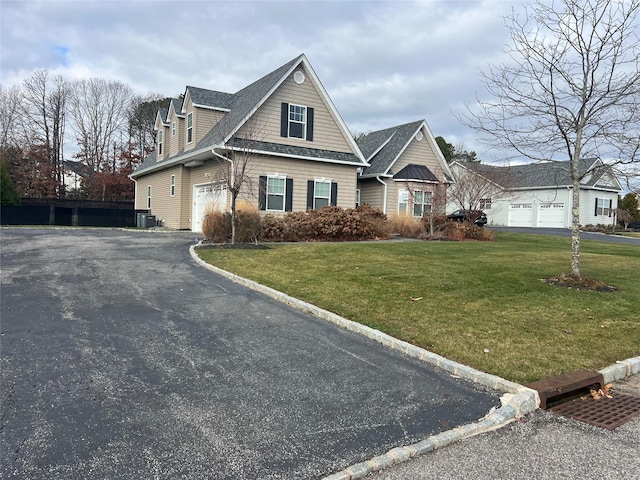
(80, 213)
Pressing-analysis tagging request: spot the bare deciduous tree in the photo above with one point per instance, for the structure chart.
(99, 108)
(571, 89)
(471, 187)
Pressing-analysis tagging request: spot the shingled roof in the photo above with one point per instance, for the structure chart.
(544, 174)
(383, 147)
(210, 98)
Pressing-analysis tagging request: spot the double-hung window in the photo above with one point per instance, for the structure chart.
(173, 129)
(276, 193)
(421, 203)
(321, 194)
(297, 121)
(403, 200)
(172, 185)
(189, 127)
(603, 207)
(149, 197)
(160, 141)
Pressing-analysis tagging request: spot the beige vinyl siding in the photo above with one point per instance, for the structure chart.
(371, 192)
(419, 153)
(301, 171)
(177, 142)
(265, 123)
(163, 205)
(204, 120)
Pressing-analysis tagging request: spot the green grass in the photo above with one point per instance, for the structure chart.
(474, 296)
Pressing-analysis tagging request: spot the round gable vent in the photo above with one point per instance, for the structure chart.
(419, 136)
(298, 77)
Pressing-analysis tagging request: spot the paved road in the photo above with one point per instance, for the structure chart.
(565, 232)
(544, 447)
(120, 358)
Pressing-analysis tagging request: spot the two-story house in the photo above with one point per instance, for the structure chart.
(299, 154)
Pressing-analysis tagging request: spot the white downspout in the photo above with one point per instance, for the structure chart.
(232, 172)
(384, 204)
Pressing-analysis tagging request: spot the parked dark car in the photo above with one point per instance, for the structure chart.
(478, 217)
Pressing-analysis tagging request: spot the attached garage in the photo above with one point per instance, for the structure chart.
(551, 215)
(203, 196)
(520, 214)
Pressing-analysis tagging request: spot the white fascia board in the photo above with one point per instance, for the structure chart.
(183, 158)
(405, 146)
(436, 148)
(382, 145)
(261, 101)
(209, 107)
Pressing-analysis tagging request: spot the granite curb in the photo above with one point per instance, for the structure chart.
(516, 400)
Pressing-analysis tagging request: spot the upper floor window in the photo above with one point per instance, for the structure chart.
(148, 197)
(173, 129)
(172, 185)
(189, 127)
(160, 141)
(296, 121)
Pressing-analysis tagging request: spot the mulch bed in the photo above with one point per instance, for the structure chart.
(579, 283)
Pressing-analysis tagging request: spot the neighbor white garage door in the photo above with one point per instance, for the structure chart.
(520, 215)
(213, 196)
(551, 215)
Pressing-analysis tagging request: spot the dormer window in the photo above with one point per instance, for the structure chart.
(296, 121)
(160, 141)
(189, 127)
(173, 129)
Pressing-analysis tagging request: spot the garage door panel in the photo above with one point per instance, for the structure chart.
(551, 215)
(520, 215)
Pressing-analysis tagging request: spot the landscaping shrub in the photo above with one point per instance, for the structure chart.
(439, 223)
(467, 231)
(406, 226)
(216, 226)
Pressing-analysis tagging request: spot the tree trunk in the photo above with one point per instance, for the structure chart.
(233, 219)
(575, 221)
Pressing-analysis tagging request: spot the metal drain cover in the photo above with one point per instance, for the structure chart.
(606, 413)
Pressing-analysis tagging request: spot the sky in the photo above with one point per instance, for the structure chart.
(383, 63)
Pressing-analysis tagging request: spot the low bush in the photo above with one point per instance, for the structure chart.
(439, 223)
(467, 231)
(406, 226)
(216, 226)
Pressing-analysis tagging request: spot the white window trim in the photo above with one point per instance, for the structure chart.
(304, 122)
(160, 141)
(357, 197)
(284, 194)
(172, 186)
(426, 206)
(485, 203)
(148, 197)
(189, 128)
(315, 192)
(603, 209)
(173, 128)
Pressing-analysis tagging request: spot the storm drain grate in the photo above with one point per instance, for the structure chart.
(606, 412)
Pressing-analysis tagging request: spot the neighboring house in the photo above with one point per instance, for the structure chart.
(540, 194)
(74, 173)
(407, 174)
(301, 153)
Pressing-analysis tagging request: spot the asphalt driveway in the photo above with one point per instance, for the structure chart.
(121, 358)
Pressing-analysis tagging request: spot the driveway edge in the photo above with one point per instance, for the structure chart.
(516, 401)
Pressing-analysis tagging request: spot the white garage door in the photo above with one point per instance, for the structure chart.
(520, 214)
(204, 195)
(551, 215)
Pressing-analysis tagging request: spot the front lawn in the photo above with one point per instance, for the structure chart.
(462, 299)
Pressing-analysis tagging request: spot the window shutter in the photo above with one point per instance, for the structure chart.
(310, 191)
(284, 120)
(596, 210)
(288, 201)
(262, 193)
(334, 193)
(310, 124)
(610, 206)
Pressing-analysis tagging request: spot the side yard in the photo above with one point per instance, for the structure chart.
(479, 303)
